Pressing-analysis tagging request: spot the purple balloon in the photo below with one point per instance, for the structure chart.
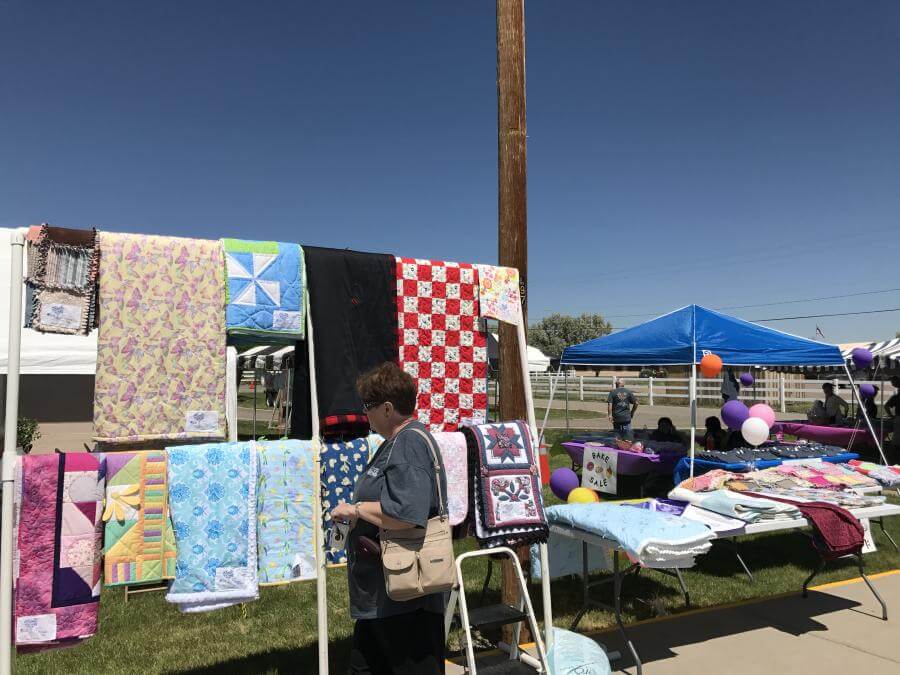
(747, 379)
(734, 413)
(866, 390)
(563, 481)
(862, 357)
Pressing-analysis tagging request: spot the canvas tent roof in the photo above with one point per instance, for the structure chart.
(683, 336)
(538, 362)
(42, 353)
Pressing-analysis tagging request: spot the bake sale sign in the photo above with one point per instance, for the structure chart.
(599, 468)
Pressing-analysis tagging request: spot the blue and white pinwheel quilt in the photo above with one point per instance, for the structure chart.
(266, 285)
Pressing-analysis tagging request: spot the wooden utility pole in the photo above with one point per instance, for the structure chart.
(512, 221)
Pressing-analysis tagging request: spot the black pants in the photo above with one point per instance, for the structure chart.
(410, 643)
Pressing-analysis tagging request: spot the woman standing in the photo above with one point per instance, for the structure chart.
(397, 491)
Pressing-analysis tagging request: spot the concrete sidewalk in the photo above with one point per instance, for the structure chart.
(836, 630)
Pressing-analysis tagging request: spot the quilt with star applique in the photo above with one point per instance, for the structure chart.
(265, 287)
(506, 490)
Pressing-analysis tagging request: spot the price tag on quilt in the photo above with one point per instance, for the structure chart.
(868, 539)
(599, 468)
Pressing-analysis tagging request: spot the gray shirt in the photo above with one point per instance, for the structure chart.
(621, 400)
(401, 477)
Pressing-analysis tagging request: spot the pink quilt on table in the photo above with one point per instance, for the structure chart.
(59, 502)
(454, 454)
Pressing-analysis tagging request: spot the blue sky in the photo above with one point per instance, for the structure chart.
(727, 154)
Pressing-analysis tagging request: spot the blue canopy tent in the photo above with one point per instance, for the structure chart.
(684, 336)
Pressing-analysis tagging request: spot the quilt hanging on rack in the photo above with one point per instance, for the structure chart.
(340, 465)
(506, 491)
(454, 455)
(57, 557)
(62, 280)
(265, 286)
(212, 494)
(139, 541)
(442, 343)
(285, 500)
(353, 308)
(498, 293)
(161, 346)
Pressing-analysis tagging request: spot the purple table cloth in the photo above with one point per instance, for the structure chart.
(631, 463)
(839, 436)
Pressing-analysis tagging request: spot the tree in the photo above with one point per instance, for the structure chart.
(554, 333)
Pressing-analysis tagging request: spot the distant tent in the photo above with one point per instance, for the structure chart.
(685, 335)
(538, 362)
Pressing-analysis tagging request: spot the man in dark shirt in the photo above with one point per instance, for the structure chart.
(621, 405)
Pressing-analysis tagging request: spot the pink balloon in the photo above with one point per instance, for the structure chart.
(763, 412)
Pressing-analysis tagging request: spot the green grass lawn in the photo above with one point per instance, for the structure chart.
(277, 633)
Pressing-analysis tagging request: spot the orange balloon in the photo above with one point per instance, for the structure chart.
(710, 365)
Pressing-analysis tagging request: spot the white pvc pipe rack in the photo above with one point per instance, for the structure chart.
(10, 452)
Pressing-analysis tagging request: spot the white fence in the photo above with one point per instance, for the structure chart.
(779, 392)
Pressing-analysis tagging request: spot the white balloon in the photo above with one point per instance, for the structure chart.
(755, 431)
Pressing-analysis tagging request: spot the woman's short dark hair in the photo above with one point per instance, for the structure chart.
(388, 382)
(713, 423)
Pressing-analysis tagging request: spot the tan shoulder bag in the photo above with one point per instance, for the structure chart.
(419, 561)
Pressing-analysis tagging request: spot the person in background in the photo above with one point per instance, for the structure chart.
(892, 409)
(666, 432)
(714, 438)
(268, 382)
(397, 491)
(871, 407)
(836, 408)
(730, 386)
(621, 406)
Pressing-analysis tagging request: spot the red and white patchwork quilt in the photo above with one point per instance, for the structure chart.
(442, 343)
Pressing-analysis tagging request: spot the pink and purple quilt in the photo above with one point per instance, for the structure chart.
(59, 502)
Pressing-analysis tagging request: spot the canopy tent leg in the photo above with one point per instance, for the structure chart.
(321, 585)
(693, 394)
(10, 452)
(554, 383)
(862, 409)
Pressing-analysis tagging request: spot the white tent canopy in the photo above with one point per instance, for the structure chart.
(42, 353)
(538, 362)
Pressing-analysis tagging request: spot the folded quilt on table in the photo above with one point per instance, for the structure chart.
(737, 505)
(888, 476)
(212, 494)
(62, 279)
(837, 531)
(340, 465)
(161, 347)
(454, 454)
(139, 541)
(847, 498)
(266, 288)
(506, 492)
(352, 304)
(57, 556)
(649, 538)
(711, 480)
(442, 342)
(285, 498)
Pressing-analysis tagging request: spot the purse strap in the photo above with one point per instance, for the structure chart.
(437, 469)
